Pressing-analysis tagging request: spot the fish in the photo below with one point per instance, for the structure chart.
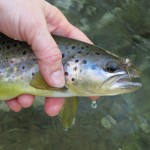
(89, 71)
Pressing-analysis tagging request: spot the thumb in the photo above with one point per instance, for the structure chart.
(49, 56)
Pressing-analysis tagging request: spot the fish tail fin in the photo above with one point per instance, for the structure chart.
(68, 111)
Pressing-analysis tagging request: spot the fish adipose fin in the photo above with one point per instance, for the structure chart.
(68, 111)
(38, 82)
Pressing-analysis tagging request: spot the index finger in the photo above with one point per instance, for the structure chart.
(59, 25)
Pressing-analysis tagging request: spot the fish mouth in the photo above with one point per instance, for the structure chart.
(120, 84)
(126, 81)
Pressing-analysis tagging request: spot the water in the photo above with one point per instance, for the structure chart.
(118, 122)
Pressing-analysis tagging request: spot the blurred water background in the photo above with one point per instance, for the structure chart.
(118, 122)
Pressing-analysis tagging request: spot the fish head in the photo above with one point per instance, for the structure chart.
(102, 74)
(117, 76)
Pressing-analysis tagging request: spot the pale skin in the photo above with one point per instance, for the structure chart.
(34, 21)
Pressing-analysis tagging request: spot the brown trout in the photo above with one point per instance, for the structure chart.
(88, 70)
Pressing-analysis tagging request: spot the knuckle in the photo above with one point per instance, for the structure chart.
(52, 57)
(31, 26)
(56, 67)
(56, 56)
(56, 10)
(69, 30)
(36, 22)
(55, 60)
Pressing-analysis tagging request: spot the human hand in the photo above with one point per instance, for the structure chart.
(33, 21)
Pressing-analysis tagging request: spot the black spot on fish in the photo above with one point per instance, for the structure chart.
(79, 52)
(82, 47)
(73, 47)
(15, 45)
(8, 47)
(76, 61)
(84, 61)
(33, 73)
(75, 68)
(87, 53)
(87, 46)
(24, 52)
(63, 55)
(33, 59)
(23, 67)
(66, 73)
(97, 53)
(73, 79)
(11, 61)
(3, 42)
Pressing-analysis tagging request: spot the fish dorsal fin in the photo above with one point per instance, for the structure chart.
(68, 111)
(38, 82)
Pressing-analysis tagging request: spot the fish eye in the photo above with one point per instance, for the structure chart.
(112, 67)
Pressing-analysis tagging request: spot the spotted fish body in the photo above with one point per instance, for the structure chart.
(88, 70)
(85, 69)
(18, 65)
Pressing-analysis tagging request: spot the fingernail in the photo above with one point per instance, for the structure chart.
(58, 78)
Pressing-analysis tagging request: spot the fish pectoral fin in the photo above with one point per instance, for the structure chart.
(38, 82)
(68, 111)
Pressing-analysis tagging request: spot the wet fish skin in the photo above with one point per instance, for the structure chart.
(85, 69)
